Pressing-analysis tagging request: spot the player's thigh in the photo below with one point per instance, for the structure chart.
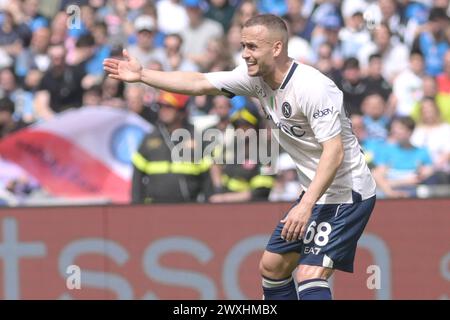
(278, 265)
(332, 235)
(280, 257)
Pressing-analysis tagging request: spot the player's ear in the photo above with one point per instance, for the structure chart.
(277, 48)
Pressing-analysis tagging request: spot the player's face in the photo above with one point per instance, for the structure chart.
(257, 51)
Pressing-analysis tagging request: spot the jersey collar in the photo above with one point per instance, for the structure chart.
(288, 76)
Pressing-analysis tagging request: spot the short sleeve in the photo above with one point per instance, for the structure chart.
(322, 109)
(381, 155)
(425, 157)
(232, 83)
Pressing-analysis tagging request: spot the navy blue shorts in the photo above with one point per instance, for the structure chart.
(332, 234)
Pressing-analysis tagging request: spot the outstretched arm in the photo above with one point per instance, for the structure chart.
(130, 70)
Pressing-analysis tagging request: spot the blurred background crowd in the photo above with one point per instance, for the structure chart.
(390, 58)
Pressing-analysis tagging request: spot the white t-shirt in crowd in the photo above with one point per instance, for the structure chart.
(172, 17)
(307, 109)
(435, 139)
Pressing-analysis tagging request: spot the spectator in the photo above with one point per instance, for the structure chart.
(60, 87)
(245, 11)
(443, 80)
(375, 118)
(112, 93)
(134, 97)
(327, 31)
(325, 62)
(221, 11)
(300, 24)
(394, 54)
(416, 15)
(171, 57)
(144, 50)
(353, 86)
(432, 42)
(429, 134)
(387, 11)
(408, 86)
(221, 107)
(93, 96)
(401, 166)
(149, 9)
(35, 58)
(355, 34)
(234, 44)
(102, 50)
(84, 57)
(31, 16)
(242, 179)
(376, 83)
(58, 34)
(199, 32)
(157, 176)
(286, 186)
(298, 48)
(276, 7)
(7, 123)
(370, 147)
(150, 93)
(13, 35)
(172, 16)
(217, 56)
(23, 100)
(442, 100)
(118, 21)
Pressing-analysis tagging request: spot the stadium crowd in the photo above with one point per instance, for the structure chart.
(390, 58)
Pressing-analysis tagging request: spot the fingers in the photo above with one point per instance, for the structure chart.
(296, 232)
(111, 66)
(113, 76)
(291, 231)
(111, 70)
(302, 232)
(112, 63)
(285, 230)
(125, 54)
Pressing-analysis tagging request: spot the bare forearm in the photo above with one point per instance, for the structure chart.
(406, 182)
(42, 105)
(379, 173)
(231, 197)
(329, 163)
(190, 83)
(237, 196)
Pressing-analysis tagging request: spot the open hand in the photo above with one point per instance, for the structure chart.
(125, 70)
(295, 222)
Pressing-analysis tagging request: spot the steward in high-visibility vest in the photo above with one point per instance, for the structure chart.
(244, 181)
(156, 176)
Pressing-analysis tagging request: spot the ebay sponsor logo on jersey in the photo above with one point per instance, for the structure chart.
(322, 113)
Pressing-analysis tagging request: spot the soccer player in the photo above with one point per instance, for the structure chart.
(320, 232)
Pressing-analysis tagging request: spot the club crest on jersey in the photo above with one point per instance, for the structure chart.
(286, 109)
(260, 91)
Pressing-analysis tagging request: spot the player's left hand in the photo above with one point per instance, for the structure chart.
(295, 222)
